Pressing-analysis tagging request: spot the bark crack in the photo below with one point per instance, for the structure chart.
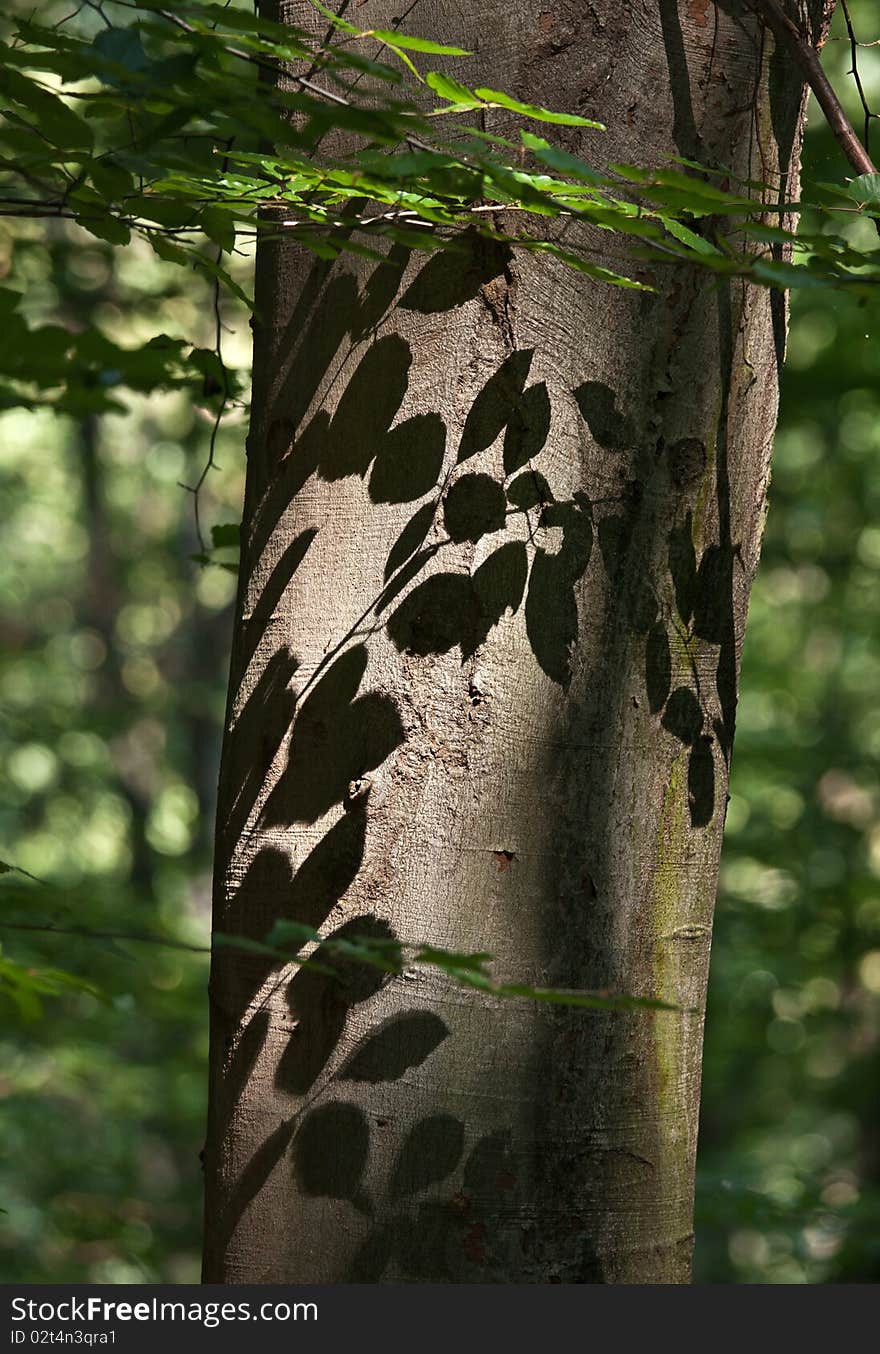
(498, 295)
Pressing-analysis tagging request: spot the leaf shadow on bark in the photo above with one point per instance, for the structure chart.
(337, 737)
(253, 739)
(320, 1002)
(336, 734)
(449, 1237)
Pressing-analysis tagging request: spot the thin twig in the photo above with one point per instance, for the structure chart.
(854, 72)
(209, 465)
(808, 59)
(143, 937)
(51, 928)
(272, 68)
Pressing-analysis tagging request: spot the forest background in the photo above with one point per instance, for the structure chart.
(113, 664)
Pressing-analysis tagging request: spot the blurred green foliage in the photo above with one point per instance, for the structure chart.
(789, 1163)
(112, 683)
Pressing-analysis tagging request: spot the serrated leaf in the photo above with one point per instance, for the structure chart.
(781, 274)
(411, 44)
(560, 160)
(170, 252)
(450, 89)
(865, 190)
(689, 237)
(105, 227)
(61, 126)
(122, 47)
(219, 226)
(531, 110)
(334, 18)
(226, 534)
(110, 179)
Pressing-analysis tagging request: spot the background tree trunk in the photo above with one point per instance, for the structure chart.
(494, 724)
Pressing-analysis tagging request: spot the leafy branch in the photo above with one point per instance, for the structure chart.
(288, 942)
(149, 152)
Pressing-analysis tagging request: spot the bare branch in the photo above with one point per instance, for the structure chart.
(807, 58)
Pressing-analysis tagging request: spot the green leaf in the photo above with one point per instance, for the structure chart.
(407, 165)
(531, 110)
(206, 265)
(170, 252)
(581, 265)
(866, 190)
(323, 248)
(784, 275)
(591, 1001)
(836, 191)
(226, 534)
(334, 18)
(122, 47)
(219, 226)
(689, 237)
(110, 179)
(167, 211)
(450, 89)
(57, 122)
(24, 986)
(450, 959)
(106, 227)
(411, 44)
(768, 234)
(560, 160)
(686, 193)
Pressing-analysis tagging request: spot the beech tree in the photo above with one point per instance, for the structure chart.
(501, 524)
(513, 408)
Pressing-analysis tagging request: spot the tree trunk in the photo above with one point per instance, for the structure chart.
(489, 723)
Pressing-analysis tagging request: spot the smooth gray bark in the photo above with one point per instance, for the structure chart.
(489, 723)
